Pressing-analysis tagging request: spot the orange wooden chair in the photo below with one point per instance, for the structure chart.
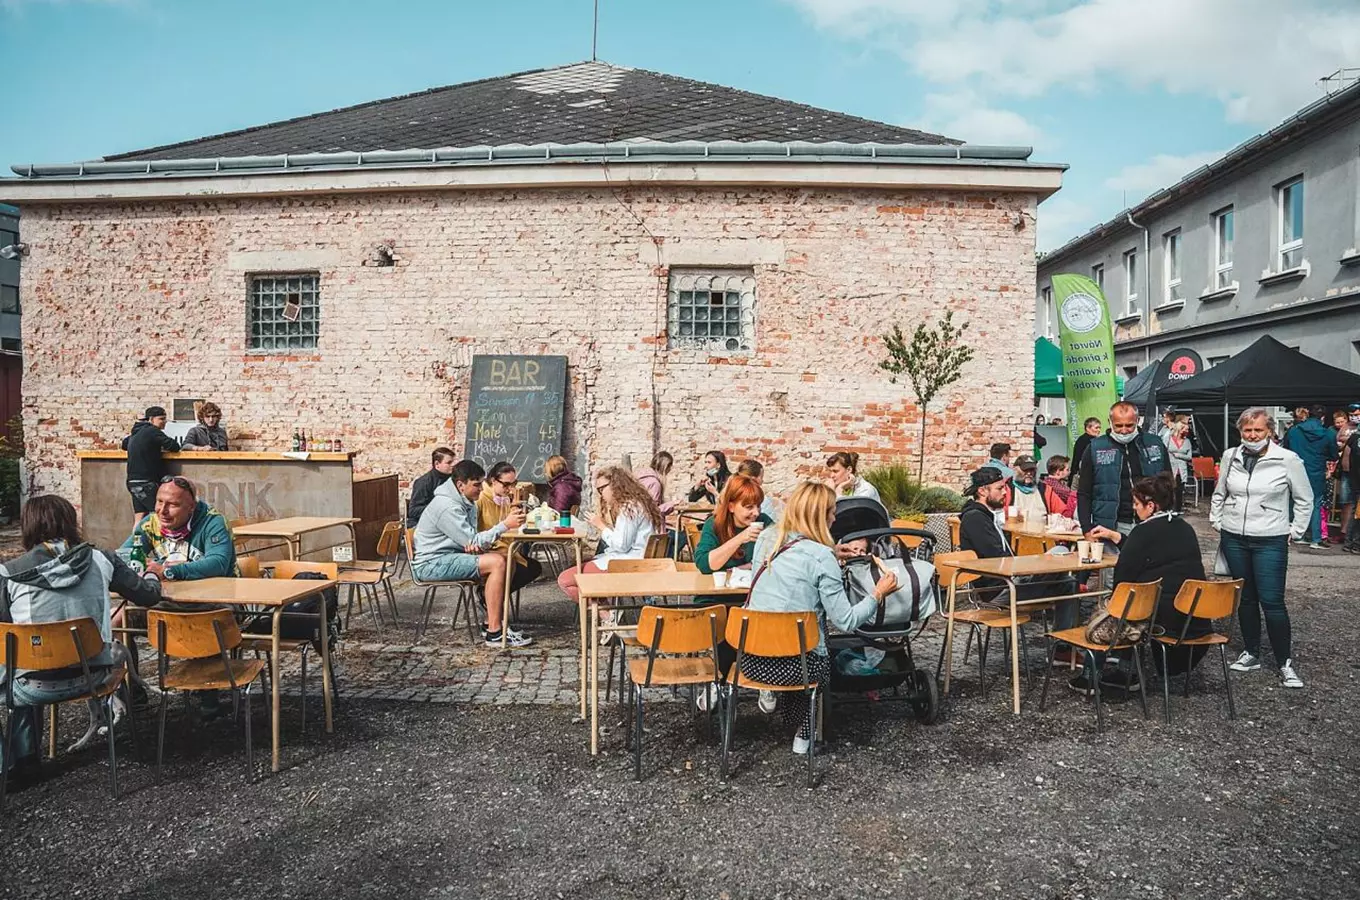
(1132, 604)
(366, 576)
(68, 644)
(693, 531)
(955, 525)
(202, 642)
(786, 634)
(1202, 469)
(1030, 545)
(1202, 600)
(618, 567)
(981, 620)
(681, 649)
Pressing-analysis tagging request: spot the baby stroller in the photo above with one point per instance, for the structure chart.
(877, 656)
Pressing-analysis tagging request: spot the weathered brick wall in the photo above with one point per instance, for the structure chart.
(127, 305)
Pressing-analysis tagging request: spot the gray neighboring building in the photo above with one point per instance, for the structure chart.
(1262, 241)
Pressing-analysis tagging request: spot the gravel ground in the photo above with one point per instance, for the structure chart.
(460, 800)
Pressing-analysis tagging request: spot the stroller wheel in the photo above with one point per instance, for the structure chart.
(925, 701)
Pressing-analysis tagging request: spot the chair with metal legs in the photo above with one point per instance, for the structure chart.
(981, 621)
(620, 642)
(1203, 600)
(469, 595)
(1130, 604)
(50, 646)
(202, 643)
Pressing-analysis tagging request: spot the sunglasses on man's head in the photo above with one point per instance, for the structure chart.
(180, 482)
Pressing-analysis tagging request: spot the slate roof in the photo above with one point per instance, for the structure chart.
(589, 102)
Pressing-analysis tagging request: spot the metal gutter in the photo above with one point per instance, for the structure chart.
(1330, 106)
(544, 154)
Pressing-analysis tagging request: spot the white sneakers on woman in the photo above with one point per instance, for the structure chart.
(1248, 663)
(1288, 677)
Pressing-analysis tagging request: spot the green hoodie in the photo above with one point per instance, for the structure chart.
(212, 551)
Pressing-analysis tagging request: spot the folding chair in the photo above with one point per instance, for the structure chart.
(1132, 604)
(203, 641)
(689, 639)
(981, 621)
(370, 574)
(49, 646)
(1201, 470)
(1202, 600)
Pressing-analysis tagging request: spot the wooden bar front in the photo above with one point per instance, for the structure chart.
(251, 486)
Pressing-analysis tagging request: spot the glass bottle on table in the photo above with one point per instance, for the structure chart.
(137, 558)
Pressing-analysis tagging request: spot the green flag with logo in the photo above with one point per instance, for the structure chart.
(1087, 341)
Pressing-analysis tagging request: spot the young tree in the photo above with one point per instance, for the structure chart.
(932, 360)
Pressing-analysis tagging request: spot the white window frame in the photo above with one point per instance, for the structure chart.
(1172, 268)
(1131, 282)
(1098, 276)
(1294, 246)
(1223, 270)
(1046, 300)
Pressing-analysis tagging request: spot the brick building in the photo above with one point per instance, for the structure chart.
(574, 211)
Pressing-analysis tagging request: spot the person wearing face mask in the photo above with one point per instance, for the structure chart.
(494, 506)
(716, 473)
(1259, 483)
(1108, 468)
(1027, 497)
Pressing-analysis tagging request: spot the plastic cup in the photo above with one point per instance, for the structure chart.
(1012, 512)
(1097, 550)
(1083, 550)
(720, 579)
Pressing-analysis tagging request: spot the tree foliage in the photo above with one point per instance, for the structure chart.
(931, 360)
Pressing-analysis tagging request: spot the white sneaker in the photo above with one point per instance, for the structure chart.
(768, 703)
(706, 697)
(1246, 663)
(801, 745)
(1316, 546)
(512, 639)
(1288, 677)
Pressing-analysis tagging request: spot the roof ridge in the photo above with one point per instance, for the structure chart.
(342, 109)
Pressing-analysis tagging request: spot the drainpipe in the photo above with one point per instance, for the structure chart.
(1147, 286)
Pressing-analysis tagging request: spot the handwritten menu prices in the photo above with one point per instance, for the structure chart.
(515, 412)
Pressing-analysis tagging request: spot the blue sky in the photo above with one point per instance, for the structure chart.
(1108, 86)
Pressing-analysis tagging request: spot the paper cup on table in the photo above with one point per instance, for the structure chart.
(1097, 550)
(1083, 550)
(720, 579)
(1012, 511)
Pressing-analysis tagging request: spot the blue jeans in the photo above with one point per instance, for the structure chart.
(32, 694)
(1319, 485)
(1261, 563)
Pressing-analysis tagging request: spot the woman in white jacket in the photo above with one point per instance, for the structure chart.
(1259, 483)
(627, 517)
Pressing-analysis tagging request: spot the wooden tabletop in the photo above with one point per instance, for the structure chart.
(595, 586)
(243, 591)
(1035, 529)
(227, 455)
(577, 534)
(1039, 564)
(291, 527)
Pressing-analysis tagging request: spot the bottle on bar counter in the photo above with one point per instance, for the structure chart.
(339, 445)
(297, 443)
(330, 445)
(303, 441)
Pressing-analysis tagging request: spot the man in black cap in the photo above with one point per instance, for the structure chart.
(145, 468)
(980, 531)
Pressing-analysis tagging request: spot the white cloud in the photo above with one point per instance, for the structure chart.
(1060, 217)
(966, 116)
(1163, 170)
(1259, 58)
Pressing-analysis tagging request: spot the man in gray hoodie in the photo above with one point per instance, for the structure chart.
(448, 546)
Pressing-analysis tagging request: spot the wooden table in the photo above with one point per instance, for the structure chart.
(272, 594)
(512, 538)
(1009, 569)
(1039, 530)
(293, 528)
(603, 586)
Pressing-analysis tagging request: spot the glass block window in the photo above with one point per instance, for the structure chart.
(712, 310)
(283, 313)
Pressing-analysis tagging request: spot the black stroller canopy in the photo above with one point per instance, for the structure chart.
(858, 514)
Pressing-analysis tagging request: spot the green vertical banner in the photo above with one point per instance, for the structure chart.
(1087, 340)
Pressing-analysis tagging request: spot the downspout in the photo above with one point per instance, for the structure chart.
(1147, 286)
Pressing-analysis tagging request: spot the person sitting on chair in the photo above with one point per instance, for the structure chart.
(185, 539)
(448, 546)
(422, 489)
(494, 506)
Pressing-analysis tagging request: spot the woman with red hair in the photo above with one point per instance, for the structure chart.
(729, 536)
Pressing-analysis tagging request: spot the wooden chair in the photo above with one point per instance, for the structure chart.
(689, 640)
(981, 620)
(469, 594)
(368, 575)
(775, 634)
(1030, 545)
(955, 524)
(249, 566)
(659, 564)
(1201, 600)
(656, 546)
(621, 640)
(686, 567)
(68, 644)
(909, 542)
(203, 642)
(1129, 604)
(692, 530)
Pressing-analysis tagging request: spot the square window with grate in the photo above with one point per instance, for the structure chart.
(713, 310)
(283, 313)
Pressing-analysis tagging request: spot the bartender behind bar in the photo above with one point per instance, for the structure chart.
(208, 434)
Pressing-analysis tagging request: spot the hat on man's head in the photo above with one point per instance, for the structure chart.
(981, 478)
(1027, 463)
(1354, 407)
(153, 412)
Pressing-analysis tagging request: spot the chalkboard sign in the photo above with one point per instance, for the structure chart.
(515, 412)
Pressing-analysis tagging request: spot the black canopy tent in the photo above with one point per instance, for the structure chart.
(1265, 374)
(1137, 388)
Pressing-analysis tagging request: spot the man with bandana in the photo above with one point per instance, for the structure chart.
(493, 508)
(1027, 496)
(185, 539)
(1110, 465)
